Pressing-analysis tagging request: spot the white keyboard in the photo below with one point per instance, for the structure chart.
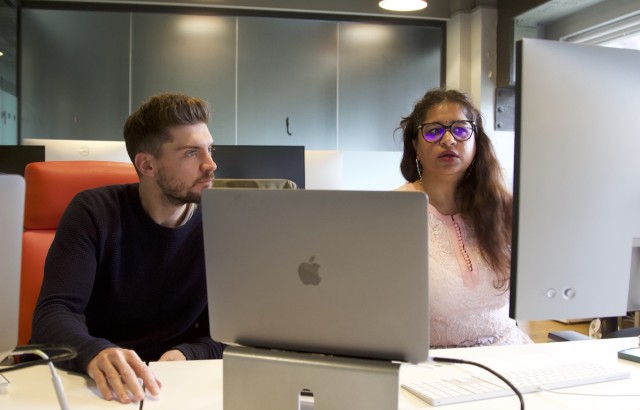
(472, 386)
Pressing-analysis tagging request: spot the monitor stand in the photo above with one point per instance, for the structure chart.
(280, 380)
(633, 305)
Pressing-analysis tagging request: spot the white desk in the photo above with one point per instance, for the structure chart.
(31, 388)
(603, 351)
(191, 385)
(197, 385)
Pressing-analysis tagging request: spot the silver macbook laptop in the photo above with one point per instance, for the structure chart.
(11, 225)
(332, 272)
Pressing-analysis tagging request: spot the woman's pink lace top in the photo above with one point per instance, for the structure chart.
(465, 308)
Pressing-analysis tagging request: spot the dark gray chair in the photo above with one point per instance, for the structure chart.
(608, 328)
(254, 183)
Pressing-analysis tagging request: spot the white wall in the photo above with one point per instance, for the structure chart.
(374, 171)
(323, 169)
(353, 170)
(81, 150)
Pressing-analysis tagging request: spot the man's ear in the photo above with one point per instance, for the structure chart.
(145, 164)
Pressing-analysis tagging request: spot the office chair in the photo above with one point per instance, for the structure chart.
(50, 186)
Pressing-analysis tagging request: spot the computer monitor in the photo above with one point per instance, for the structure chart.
(576, 180)
(11, 218)
(261, 162)
(81, 150)
(14, 158)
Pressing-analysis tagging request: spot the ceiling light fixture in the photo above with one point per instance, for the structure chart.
(403, 5)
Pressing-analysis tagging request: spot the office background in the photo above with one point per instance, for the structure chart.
(275, 72)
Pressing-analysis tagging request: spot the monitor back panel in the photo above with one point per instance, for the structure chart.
(576, 202)
(334, 272)
(261, 162)
(14, 158)
(11, 217)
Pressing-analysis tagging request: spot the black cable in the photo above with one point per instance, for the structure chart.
(498, 375)
(63, 353)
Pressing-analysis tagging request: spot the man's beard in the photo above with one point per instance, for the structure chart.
(174, 193)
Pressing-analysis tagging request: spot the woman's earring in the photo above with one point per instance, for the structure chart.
(419, 168)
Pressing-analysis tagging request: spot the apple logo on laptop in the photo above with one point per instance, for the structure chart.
(308, 272)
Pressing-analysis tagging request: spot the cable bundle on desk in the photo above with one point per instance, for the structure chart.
(62, 353)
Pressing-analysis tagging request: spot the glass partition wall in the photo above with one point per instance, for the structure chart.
(8, 64)
(317, 82)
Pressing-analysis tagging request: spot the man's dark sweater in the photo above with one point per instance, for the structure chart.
(113, 277)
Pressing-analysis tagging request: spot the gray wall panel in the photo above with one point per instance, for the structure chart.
(287, 69)
(75, 74)
(196, 57)
(322, 84)
(384, 69)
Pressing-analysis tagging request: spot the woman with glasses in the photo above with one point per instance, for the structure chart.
(448, 155)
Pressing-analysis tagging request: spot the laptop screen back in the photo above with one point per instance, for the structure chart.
(332, 272)
(11, 219)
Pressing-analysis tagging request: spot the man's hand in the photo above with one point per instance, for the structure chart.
(172, 355)
(118, 373)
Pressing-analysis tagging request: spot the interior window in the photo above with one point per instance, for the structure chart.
(631, 41)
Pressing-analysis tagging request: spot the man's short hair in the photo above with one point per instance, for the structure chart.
(146, 128)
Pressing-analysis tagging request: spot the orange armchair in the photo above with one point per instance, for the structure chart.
(50, 186)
